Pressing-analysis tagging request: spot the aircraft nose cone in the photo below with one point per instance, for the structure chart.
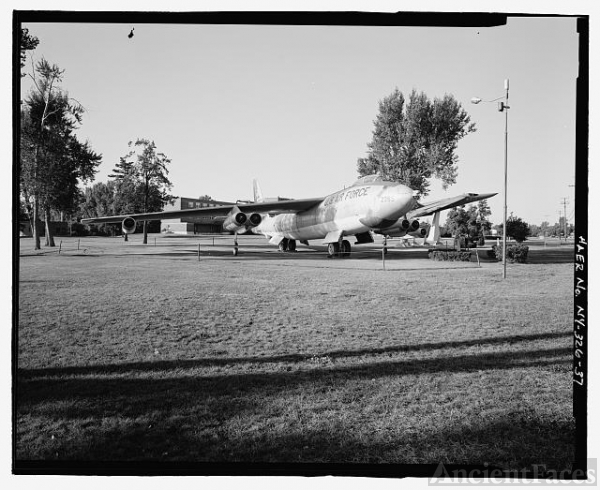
(391, 204)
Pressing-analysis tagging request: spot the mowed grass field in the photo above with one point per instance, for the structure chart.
(128, 352)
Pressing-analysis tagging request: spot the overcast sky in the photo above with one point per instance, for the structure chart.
(293, 106)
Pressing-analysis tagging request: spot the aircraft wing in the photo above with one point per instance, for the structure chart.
(443, 204)
(216, 213)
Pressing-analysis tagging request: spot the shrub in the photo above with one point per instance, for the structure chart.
(79, 229)
(450, 255)
(514, 253)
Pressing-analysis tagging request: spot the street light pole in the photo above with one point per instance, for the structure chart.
(502, 107)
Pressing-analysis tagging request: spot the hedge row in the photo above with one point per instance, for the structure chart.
(514, 253)
(450, 255)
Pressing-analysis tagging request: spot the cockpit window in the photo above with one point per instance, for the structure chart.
(369, 179)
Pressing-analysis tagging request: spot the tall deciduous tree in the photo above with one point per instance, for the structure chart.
(52, 159)
(142, 179)
(27, 42)
(416, 140)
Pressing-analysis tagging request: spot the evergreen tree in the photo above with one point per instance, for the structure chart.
(141, 179)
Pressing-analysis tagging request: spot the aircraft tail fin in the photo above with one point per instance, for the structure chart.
(258, 197)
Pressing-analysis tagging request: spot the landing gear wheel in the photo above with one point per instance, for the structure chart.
(333, 249)
(283, 245)
(345, 251)
(291, 245)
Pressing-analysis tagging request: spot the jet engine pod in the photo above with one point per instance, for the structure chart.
(423, 232)
(414, 226)
(234, 221)
(405, 224)
(254, 220)
(128, 225)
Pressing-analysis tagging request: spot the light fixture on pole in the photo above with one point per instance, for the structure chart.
(502, 107)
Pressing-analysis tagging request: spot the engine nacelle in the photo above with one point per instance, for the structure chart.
(396, 229)
(253, 220)
(414, 226)
(128, 225)
(420, 233)
(235, 221)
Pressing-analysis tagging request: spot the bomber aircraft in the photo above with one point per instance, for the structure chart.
(370, 205)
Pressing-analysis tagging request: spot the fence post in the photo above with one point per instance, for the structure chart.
(78, 242)
(198, 252)
(59, 247)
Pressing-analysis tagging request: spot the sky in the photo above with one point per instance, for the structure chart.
(293, 106)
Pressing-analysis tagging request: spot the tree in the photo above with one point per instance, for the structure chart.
(457, 221)
(517, 228)
(27, 42)
(483, 213)
(52, 159)
(469, 222)
(143, 182)
(98, 200)
(415, 141)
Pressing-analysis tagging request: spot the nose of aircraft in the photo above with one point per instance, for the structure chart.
(391, 203)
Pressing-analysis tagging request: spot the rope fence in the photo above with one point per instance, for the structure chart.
(222, 246)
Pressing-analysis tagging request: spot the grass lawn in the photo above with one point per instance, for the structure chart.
(155, 355)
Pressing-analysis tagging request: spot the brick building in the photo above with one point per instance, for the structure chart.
(191, 226)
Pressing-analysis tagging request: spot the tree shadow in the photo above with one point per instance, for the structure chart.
(290, 358)
(190, 417)
(530, 448)
(129, 396)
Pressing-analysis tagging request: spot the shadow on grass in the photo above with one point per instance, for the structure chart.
(131, 396)
(547, 446)
(203, 417)
(551, 256)
(291, 358)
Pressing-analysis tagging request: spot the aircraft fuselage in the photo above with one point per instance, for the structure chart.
(357, 209)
